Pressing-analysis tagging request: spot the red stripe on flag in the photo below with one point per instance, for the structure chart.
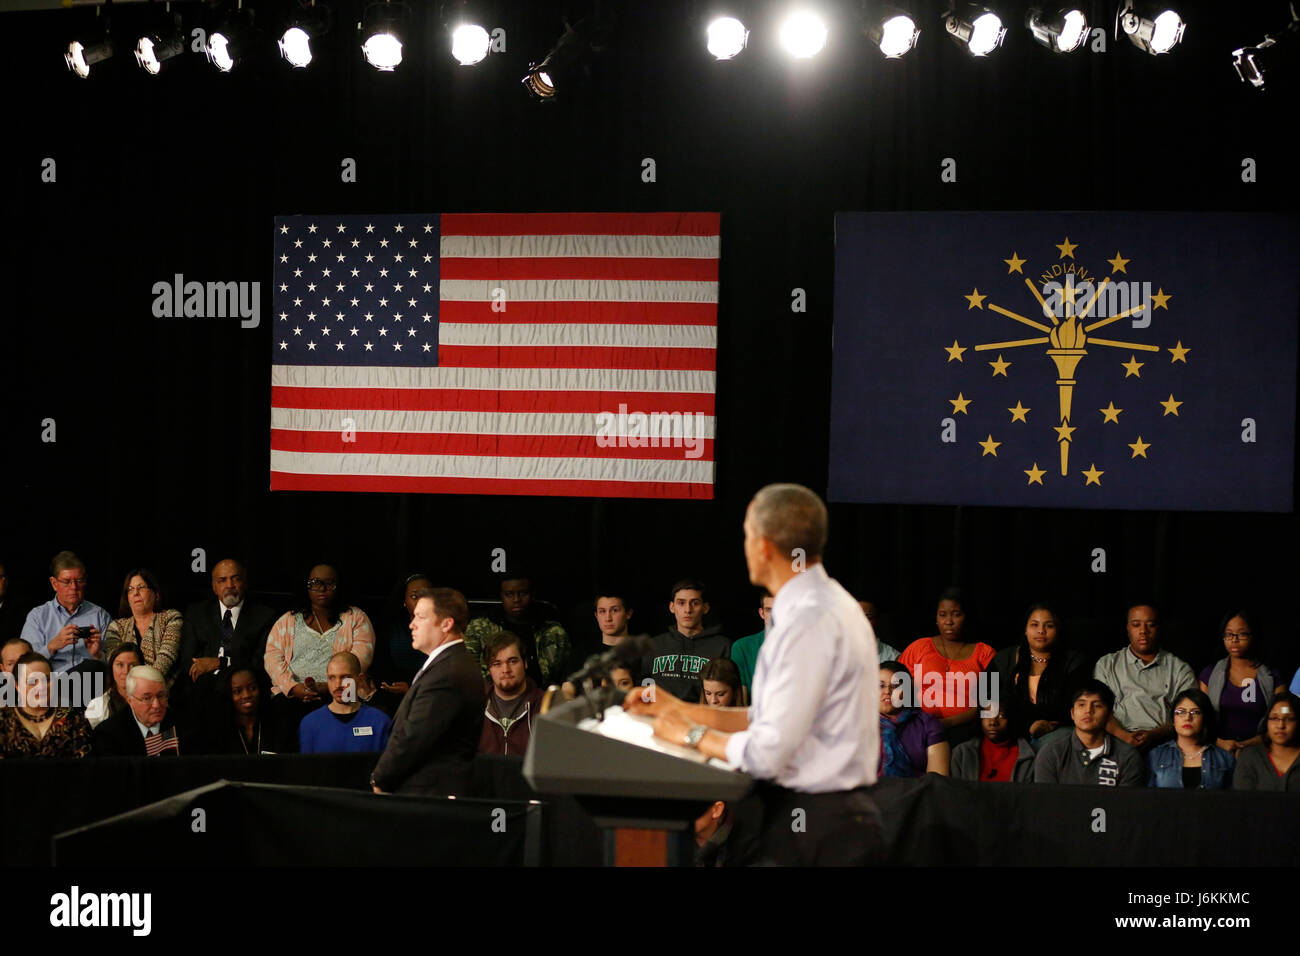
(581, 224)
(486, 400)
(563, 267)
(581, 313)
(489, 446)
(283, 481)
(576, 356)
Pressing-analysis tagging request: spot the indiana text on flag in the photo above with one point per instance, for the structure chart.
(531, 354)
(1065, 359)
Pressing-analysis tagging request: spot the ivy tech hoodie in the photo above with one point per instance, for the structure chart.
(677, 660)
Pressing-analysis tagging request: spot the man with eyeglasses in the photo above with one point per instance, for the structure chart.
(68, 630)
(147, 728)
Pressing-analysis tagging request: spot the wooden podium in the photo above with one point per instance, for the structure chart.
(643, 798)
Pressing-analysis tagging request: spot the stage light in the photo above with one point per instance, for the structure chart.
(893, 31)
(1153, 32)
(977, 29)
(543, 80)
(307, 25)
(1062, 30)
(470, 44)
(803, 34)
(1252, 62)
(382, 27)
(155, 46)
(80, 57)
(727, 37)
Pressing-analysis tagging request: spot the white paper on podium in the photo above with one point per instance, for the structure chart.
(639, 729)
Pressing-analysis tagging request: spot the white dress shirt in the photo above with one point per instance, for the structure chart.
(814, 720)
(234, 613)
(436, 651)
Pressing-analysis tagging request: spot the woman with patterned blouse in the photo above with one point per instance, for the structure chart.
(301, 642)
(34, 728)
(142, 620)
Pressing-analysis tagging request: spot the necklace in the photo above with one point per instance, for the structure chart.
(36, 720)
(1036, 659)
(245, 742)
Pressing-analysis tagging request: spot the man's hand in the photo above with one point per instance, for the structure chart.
(203, 665)
(1231, 746)
(399, 687)
(1039, 727)
(650, 699)
(672, 726)
(302, 692)
(375, 788)
(94, 642)
(62, 639)
(1138, 738)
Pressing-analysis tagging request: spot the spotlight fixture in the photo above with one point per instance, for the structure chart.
(1150, 31)
(544, 79)
(1252, 62)
(81, 57)
(470, 44)
(157, 45)
(1061, 30)
(381, 27)
(893, 30)
(975, 28)
(302, 28)
(803, 34)
(727, 37)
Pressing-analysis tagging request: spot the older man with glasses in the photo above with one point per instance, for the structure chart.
(148, 728)
(66, 629)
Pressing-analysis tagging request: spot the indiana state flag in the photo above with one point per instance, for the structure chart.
(1066, 359)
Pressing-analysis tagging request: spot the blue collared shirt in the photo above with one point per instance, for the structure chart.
(813, 724)
(45, 621)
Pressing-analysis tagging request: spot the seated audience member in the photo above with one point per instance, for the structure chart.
(113, 700)
(1240, 686)
(1090, 755)
(682, 651)
(744, 652)
(147, 728)
(884, 650)
(1273, 765)
(66, 629)
(951, 651)
(220, 632)
(396, 660)
(301, 642)
(613, 616)
(11, 619)
(249, 720)
(621, 678)
(912, 742)
(545, 643)
(12, 649)
(346, 725)
(999, 756)
(1039, 673)
(36, 728)
(1191, 761)
(513, 700)
(1295, 683)
(720, 684)
(387, 697)
(143, 621)
(726, 835)
(1145, 679)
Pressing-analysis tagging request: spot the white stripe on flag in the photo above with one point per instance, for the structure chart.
(496, 379)
(560, 333)
(577, 290)
(609, 247)
(487, 423)
(466, 466)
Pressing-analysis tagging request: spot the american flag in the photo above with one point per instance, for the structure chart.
(532, 354)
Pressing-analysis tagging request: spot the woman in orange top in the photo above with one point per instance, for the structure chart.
(952, 698)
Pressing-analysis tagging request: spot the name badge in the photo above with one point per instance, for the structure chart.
(363, 731)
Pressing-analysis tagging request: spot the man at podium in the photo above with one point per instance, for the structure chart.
(810, 736)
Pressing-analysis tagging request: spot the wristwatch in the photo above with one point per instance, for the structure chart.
(695, 735)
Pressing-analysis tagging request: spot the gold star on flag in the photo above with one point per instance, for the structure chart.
(1064, 432)
(1171, 407)
(1132, 366)
(975, 299)
(990, 447)
(1179, 353)
(1093, 476)
(1014, 264)
(1067, 248)
(1139, 447)
(1035, 474)
(1000, 367)
(1018, 413)
(954, 351)
(1160, 298)
(1111, 413)
(1118, 264)
(959, 404)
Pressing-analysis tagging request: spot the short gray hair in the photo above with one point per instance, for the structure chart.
(791, 516)
(142, 672)
(65, 561)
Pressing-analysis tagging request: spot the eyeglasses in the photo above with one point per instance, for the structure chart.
(317, 584)
(1236, 636)
(1184, 712)
(150, 699)
(74, 583)
(139, 589)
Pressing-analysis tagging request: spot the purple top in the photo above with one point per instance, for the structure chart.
(1238, 720)
(917, 735)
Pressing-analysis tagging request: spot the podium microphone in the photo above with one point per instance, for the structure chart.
(627, 652)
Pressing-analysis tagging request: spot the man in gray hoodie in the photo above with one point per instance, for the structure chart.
(682, 651)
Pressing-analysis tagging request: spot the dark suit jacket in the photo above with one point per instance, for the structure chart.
(120, 736)
(436, 730)
(201, 633)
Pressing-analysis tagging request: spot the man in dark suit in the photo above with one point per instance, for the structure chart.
(147, 728)
(222, 632)
(436, 731)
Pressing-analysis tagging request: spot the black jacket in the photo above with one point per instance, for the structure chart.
(119, 736)
(1062, 678)
(677, 661)
(436, 730)
(201, 634)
